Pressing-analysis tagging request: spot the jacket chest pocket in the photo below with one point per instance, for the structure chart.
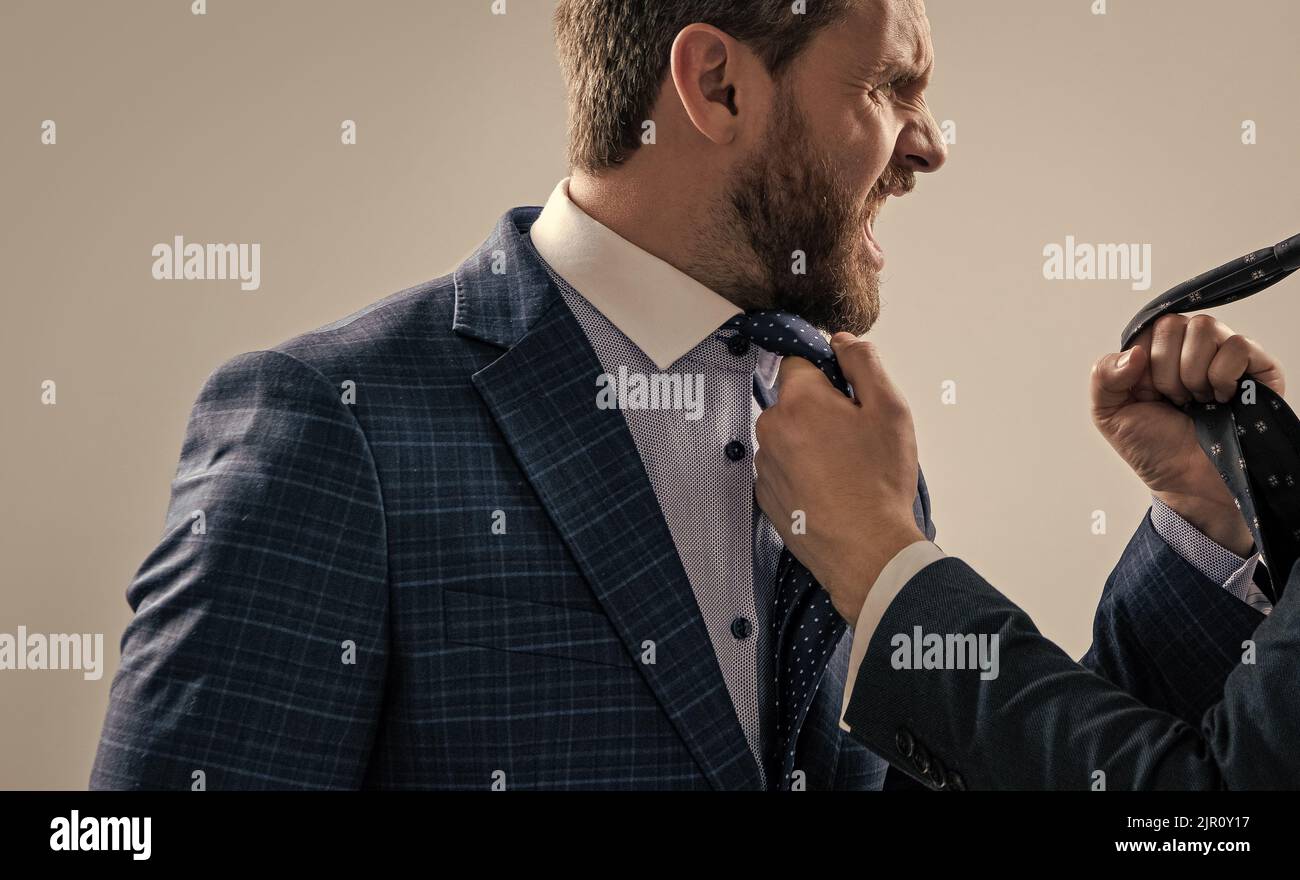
(524, 627)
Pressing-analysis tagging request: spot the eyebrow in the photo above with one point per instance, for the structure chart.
(905, 72)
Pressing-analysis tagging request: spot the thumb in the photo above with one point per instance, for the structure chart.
(1115, 375)
(861, 364)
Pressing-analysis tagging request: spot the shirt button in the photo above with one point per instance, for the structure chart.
(735, 450)
(738, 345)
(741, 628)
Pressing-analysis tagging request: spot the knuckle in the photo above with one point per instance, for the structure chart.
(896, 405)
(1236, 344)
(1168, 385)
(1167, 324)
(861, 348)
(856, 352)
(1102, 365)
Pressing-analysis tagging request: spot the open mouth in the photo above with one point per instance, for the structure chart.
(874, 250)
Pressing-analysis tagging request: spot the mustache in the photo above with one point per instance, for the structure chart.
(895, 181)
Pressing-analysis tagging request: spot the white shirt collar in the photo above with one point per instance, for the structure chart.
(664, 311)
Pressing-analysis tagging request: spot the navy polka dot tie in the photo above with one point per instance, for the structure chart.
(1254, 438)
(805, 626)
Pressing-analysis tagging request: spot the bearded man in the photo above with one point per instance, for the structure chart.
(435, 555)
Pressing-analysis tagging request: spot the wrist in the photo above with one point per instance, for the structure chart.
(862, 570)
(1223, 524)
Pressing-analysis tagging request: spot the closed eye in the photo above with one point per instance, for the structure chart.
(889, 89)
(896, 84)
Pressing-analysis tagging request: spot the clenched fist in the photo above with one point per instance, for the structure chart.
(845, 468)
(1136, 397)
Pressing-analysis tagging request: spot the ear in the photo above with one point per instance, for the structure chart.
(716, 79)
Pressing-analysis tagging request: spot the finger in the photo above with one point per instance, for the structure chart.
(861, 365)
(1166, 353)
(1114, 376)
(1237, 357)
(1145, 389)
(1200, 344)
(797, 375)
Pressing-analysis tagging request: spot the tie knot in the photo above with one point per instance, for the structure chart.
(786, 334)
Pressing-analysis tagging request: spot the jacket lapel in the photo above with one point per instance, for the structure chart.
(584, 466)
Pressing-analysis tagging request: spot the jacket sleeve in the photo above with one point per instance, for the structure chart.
(1041, 721)
(256, 657)
(1165, 632)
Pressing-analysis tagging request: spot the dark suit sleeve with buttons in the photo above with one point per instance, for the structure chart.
(1045, 722)
(258, 650)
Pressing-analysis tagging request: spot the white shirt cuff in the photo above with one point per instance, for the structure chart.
(905, 565)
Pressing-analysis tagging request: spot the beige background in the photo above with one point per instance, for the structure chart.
(1116, 128)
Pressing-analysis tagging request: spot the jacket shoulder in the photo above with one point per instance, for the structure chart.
(387, 331)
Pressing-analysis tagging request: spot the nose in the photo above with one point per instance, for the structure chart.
(920, 147)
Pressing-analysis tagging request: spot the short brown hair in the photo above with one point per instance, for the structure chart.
(614, 54)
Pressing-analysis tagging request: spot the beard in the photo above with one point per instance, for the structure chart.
(788, 198)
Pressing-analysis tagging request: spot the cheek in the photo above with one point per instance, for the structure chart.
(861, 151)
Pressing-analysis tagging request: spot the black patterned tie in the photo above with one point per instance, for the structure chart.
(805, 625)
(1254, 438)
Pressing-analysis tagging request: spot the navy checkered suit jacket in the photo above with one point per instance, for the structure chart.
(362, 531)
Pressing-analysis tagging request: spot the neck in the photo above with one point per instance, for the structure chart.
(663, 217)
